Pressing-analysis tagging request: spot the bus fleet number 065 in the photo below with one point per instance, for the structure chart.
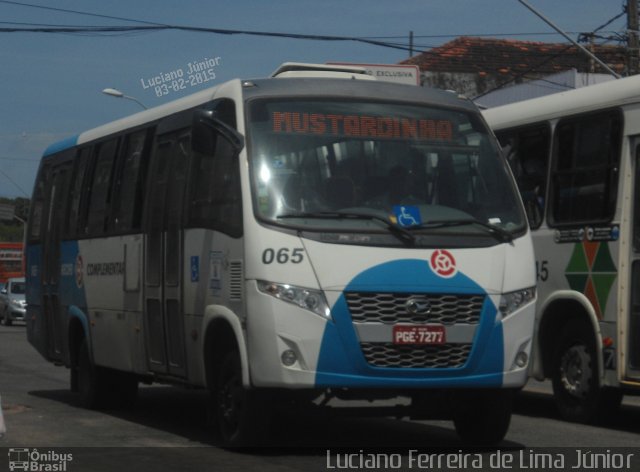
(283, 255)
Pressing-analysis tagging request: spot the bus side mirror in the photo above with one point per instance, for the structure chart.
(207, 129)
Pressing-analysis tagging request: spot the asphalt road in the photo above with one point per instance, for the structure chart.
(166, 430)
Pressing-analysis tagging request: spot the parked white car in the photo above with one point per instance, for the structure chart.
(13, 306)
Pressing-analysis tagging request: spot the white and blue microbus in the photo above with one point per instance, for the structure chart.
(310, 236)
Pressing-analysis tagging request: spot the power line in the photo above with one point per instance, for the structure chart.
(477, 35)
(155, 26)
(579, 46)
(137, 29)
(17, 159)
(78, 12)
(435, 36)
(522, 74)
(128, 29)
(122, 30)
(425, 46)
(71, 29)
(14, 183)
(45, 24)
(610, 21)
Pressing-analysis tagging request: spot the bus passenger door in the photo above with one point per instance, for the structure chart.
(51, 259)
(632, 358)
(163, 320)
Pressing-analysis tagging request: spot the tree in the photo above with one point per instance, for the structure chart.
(12, 231)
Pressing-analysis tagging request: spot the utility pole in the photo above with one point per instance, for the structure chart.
(410, 44)
(589, 38)
(633, 45)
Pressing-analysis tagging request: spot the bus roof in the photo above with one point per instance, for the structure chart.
(585, 99)
(356, 89)
(273, 87)
(136, 119)
(290, 69)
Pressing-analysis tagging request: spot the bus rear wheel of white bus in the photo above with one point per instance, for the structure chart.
(576, 390)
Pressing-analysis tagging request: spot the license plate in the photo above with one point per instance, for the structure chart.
(419, 335)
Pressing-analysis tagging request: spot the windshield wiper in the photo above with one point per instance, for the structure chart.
(401, 233)
(500, 234)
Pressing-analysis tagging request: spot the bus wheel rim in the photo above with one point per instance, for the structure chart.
(230, 402)
(575, 371)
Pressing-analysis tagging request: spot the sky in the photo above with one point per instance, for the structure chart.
(50, 84)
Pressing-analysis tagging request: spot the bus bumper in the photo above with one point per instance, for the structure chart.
(294, 348)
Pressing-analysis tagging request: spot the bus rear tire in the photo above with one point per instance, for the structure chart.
(100, 387)
(241, 415)
(576, 390)
(482, 417)
(90, 380)
(124, 389)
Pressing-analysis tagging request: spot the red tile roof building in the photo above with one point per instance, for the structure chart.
(476, 65)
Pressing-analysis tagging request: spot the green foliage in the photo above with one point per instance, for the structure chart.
(12, 231)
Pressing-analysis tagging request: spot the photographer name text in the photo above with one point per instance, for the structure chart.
(193, 74)
(501, 460)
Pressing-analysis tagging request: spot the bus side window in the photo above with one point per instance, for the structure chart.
(100, 186)
(130, 180)
(57, 201)
(586, 155)
(74, 221)
(636, 203)
(216, 201)
(527, 152)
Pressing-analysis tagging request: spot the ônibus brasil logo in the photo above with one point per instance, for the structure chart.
(443, 263)
(36, 461)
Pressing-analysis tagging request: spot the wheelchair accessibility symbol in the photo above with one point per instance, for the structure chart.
(407, 215)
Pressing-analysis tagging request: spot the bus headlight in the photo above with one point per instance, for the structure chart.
(510, 302)
(309, 299)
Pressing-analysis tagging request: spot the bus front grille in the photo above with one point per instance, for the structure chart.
(391, 308)
(416, 356)
(369, 309)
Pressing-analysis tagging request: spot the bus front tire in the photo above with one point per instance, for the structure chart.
(482, 418)
(576, 390)
(241, 415)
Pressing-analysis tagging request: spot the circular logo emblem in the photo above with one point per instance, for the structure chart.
(590, 232)
(79, 271)
(443, 263)
(418, 306)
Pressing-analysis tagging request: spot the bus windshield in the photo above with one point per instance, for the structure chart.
(414, 166)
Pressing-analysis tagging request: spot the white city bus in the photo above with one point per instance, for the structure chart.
(305, 237)
(576, 158)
